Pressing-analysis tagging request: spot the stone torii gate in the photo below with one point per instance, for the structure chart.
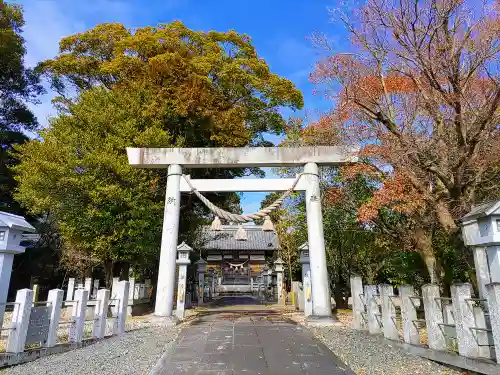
(176, 158)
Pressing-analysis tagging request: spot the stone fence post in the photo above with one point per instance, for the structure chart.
(433, 316)
(70, 291)
(122, 295)
(449, 327)
(482, 336)
(308, 306)
(409, 302)
(20, 321)
(36, 292)
(372, 310)
(131, 289)
(461, 295)
(88, 285)
(358, 302)
(95, 288)
(114, 287)
(493, 296)
(482, 269)
(388, 312)
(101, 313)
(55, 300)
(78, 316)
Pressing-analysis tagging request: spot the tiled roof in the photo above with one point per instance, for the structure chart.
(15, 222)
(483, 209)
(224, 239)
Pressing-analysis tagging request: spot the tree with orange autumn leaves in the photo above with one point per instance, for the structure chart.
(421, 94)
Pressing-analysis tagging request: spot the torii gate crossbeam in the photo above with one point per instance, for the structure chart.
(176, 158)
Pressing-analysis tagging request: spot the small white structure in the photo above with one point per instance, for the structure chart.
(183, 251)
(11, 229)
(202, 265)
(278, 268)
(481, 230)
(306, 278)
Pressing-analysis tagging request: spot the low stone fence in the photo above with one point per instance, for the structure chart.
(461, 324)
(138, 299)
(37, 328)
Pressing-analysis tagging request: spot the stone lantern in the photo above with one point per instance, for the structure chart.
(481, 231)
(306, 278)
(202, 265)
(265, 275)
(211, 283)
(278, 267)
(183, 251)
(11, 229)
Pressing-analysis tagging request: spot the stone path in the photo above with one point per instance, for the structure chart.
(243, 342)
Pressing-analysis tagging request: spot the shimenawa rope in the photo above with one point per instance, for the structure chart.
(219, 212)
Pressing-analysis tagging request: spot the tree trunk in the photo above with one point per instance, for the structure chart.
(124, 271)
(338, 295)
(108, 273)
(445, 217)
(423, 245)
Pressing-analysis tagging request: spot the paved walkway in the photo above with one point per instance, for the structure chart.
(248, 342)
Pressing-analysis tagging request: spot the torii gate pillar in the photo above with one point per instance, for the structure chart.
(309, 157)
(169, 237)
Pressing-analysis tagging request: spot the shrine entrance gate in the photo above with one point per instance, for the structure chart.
(176, 158)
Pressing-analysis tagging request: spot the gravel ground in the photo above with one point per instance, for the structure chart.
(135, 352)
(370, 355)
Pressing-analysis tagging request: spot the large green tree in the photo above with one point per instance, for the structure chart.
(156, 87)
(207, 88)
(18, 86)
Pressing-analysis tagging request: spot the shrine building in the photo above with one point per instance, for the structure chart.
(237, 254)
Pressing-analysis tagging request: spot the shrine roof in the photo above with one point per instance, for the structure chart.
(257, 239)
(482, 210)
(15, 222)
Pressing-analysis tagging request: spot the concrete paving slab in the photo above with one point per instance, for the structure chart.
(249, 342)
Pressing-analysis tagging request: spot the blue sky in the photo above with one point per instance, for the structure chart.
(279, 30)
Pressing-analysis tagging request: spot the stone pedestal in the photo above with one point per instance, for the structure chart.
(308, 305)
(493, 296)
(201, 280)
(183, 251)
(493, 254)
(482, 269)
(278, 267)
(6, 260)
(306, 279)
(11, 230)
